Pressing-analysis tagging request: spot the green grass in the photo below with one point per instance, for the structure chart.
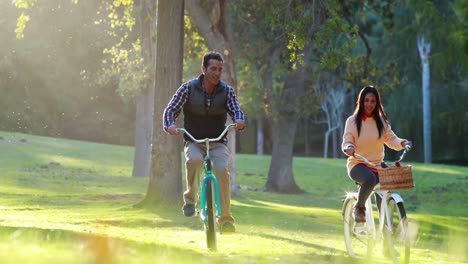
(64, 201)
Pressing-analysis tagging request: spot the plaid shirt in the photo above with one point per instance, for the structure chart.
(177, 102)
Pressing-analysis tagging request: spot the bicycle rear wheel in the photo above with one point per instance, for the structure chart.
(398, 240)
(210, 226)
(357, 235)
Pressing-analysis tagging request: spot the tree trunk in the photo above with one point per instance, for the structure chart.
(424, 51)
(284, 124)
(145, 97)
(143, 131)
(260, 136)
(280, 176)
(216, 30)
(333, 101)
(165, 185)
(335, 144)
(283, 128)
(306, 137)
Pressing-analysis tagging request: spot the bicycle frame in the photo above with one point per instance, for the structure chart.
(207, 172)
(383, 212)
(208, 175)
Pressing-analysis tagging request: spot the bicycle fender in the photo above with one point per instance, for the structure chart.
(397, 197)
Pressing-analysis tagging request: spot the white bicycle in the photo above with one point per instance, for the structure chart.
(392, 231)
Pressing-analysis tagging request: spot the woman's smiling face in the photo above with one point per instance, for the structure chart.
(369, 104)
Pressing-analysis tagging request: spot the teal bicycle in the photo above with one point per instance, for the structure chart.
(210, 204)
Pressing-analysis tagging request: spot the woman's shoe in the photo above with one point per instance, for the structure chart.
(359, 214)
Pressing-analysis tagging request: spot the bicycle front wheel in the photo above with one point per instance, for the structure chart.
(210, 225)
(357, 235)
(397, 239)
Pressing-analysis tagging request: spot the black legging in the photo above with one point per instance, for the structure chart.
(367, 179)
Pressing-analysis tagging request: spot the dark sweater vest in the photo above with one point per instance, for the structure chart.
(202, 121)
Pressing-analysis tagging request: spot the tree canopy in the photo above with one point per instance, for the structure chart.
(51, 66)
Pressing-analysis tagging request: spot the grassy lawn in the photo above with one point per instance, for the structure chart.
(64, 201)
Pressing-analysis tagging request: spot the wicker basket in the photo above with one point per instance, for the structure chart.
(396, 178)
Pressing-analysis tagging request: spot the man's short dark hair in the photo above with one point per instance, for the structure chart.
(212, 55)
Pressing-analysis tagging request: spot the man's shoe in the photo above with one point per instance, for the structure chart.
(359, 214)
(189, 210)
(227, 228)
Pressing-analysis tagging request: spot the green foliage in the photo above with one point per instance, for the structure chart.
(53, 81)
(25, 4)
(461, 35)
(120, 14)
(129, 66)
(194, 44)
(438, 23)
(21, 25)
(250, 88)
(48, 78)
(123, 59)
(330, 37)
(194, 48)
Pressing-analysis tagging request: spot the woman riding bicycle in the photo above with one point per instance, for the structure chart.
(366, 132)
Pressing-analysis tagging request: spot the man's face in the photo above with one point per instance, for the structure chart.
(213, 72)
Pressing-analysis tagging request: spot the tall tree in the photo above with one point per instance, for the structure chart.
(145, 95)
(437, 21)
(333, 95)
(424, 48)
(165, 184)
(272, 35)
(289, 43)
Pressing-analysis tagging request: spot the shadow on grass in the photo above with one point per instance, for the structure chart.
(312, 222)
(323, 248)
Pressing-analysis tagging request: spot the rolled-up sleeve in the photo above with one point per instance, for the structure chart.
(174, 107)
(233, 106)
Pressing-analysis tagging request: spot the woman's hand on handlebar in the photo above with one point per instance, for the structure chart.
(407, 145)
(172, 130)
(349, 151)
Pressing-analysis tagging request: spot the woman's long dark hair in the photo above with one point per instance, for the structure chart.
(378, 110)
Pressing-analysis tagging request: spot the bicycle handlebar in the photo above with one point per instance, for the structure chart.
(407, 147)
(183, 130)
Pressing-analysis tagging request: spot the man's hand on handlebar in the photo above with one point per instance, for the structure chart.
(172, 130)
(240, 124)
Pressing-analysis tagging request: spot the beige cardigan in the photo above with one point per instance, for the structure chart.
(368, 144)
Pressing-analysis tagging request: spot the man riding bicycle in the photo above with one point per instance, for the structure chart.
(205, 102)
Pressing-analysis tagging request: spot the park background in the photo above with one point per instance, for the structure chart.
(88, 70)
